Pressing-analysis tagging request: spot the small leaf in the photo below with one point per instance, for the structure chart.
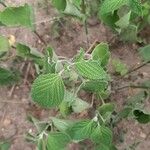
(120, 67)
(101, 53)
(106, 109)
(72, 10)
(124, 21)
(95, 85)
(4, 44)
(79, 105)
(18, 16)
(102, 134)
(25, 51)
(57, 141)
(48, 90)
(5, 145)
(81, 130)
(61, 124)
(39, 126)
(8, 77)
(125, 112)
(129, 34)
(145, 52)
(91, 70)
(65, 108)
(60, 5)
(141, 116)
(111, 5)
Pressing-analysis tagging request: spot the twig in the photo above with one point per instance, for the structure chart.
(27, 72)
(41, 39)
(92, 46)
(12, 90)
(137, 68)
(13, 102)
(132, 86)
(93, 98)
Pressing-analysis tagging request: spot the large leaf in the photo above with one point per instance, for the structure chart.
(91, 70)
(102, 134)
(18, 16)
(111, 5)
(48, 90)
(57, 141)
(82, 130)
(8, 77)
(145, 52)
(101, 53)
(4, 44)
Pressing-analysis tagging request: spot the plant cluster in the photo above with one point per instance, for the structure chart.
(60, 80)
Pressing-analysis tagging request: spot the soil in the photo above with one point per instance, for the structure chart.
(15, 104)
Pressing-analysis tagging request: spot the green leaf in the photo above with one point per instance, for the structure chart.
(8, 77)
(120, 67)
(129, 34)
(72, 10)
(106, 109)
(109, 19)
(57, 141)
(5, 145)
(41, 144)
(101, 53)
(125, 112)
(25, 51)
(4, 44)
(136, 6)
(82, 130)
(95, 85)
(102, 147)
(65, 108)
(141, 116)
(79, 105)
(102, 134)
(60, 5)
(111, 5)
(124, 21)
(39, 126)
(61, 124)
(145, 52)
(48, 90)
(18, 16)
(91, 70)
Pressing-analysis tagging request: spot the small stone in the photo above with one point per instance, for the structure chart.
(6, 122)
(143, 135)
